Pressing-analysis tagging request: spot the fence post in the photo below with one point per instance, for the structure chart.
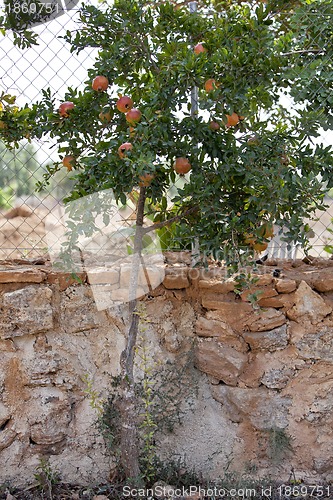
(195, 247)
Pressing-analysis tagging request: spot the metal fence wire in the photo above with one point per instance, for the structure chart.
(23, 211)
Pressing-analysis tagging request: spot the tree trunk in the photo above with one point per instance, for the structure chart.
(129, 439)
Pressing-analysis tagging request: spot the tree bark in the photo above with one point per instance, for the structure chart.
(129, 438)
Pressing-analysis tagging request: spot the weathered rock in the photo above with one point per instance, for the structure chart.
(21, 275)
(212, 328)
(78, 310)
(267, 340)
(7, 437)
(186, 315)
(217, 286)
(4, 414)
(149, 275)
(285, 285)
(277, 378)
(173, 334)
(7, 346)
(264, 279)
(221, 331)
(26, 311)
(176, 278)
(43, 369)
(267, 319)
(222, 362)
(316, 345)
(274, 370)
(312, 393)
(50, 417)
(309, 305)
(184, 257)
(101, 276)
(64, 280)
(322, 465)
(260, 292)
(213, 380)
(235, 314)
(284, 300)
(263, 409)
(323, 282)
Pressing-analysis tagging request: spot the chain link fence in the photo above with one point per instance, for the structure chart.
(24, 73)
(23, 211)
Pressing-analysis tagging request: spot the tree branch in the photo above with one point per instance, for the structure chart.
(176, 218)
(303, 51)
(144, 48)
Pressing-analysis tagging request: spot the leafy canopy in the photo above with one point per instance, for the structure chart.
(272, 66)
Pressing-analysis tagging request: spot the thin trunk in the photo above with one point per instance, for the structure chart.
(129, 439)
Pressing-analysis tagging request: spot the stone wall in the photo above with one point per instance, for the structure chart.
(263, 369)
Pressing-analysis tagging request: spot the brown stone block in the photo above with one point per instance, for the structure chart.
(285, 300)
(309, 305)
(264, 280)
(267, 340)
(285, 285)
(236, 314)
(21, 275)
(26, 311)
(262, 292)
(267, 319)
(176, 278)
(212, 328)
(220, 361)
(64, 280)
(323, 284)
(217, 286)
(209, 274)
(221, 331)
(184, 257)
(253, 371)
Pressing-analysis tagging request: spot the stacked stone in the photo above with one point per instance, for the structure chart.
(264, 357)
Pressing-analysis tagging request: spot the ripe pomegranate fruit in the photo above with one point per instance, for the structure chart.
(100, 83)
(214, 126)
(199, 49)
(145, 179)
(69, 162)
(105, 116)
(124, 148)
(133, 116)
(211, 85)
(182, 165)
(232, 120)
(124, 104)
(65, 107)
